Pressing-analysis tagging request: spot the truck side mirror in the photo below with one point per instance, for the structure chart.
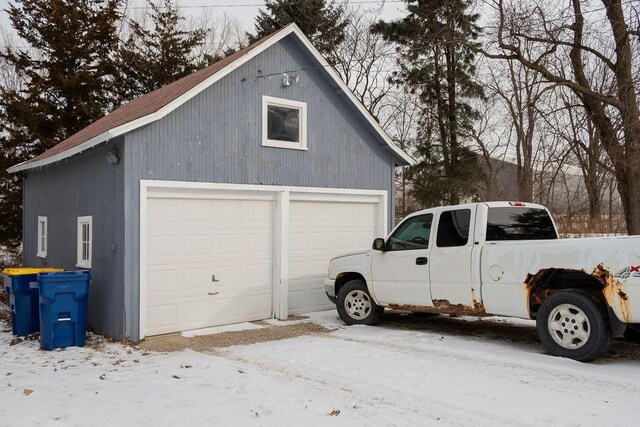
(379, 245)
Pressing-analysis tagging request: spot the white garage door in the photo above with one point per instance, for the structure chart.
(319, 231)
(208, 262)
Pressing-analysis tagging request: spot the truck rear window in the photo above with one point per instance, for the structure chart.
(517, 223)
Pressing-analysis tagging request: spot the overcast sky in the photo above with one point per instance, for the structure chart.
(242, 10)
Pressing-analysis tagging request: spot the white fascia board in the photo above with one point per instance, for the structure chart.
(127, 127)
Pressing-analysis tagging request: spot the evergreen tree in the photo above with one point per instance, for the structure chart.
(66, 72)
(436, 60)
(322, 21)
(154, 57)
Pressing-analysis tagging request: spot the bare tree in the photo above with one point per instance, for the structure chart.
(581, 137)
(492, 141)
(563, 37)
(402, 123)
(223, 34)
(521, 91)
(364, 61)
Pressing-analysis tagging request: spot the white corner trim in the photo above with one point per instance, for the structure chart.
(302, 130)
(127, 127)
(142, 265)
(281, 259)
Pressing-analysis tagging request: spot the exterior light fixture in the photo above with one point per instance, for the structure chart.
(113, 157)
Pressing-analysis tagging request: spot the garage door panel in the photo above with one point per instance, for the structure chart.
(162, 212)
(195, 281)
(195, 245)
(243, 308)
(259, 243)
(195, 312)
(257, 214)
(229, 238)
(163, 280)
(196, 213)
(307, 295)
(228, 212)
(318, 232)
(162, 246)
(164, 318)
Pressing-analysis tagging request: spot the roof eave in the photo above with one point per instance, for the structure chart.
(405, 159)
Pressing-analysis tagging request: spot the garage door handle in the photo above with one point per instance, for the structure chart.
(213, 278)
(422, 260)
(214, 293)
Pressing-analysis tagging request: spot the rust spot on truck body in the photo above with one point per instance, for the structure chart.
(613, 292)
(442, 306)
(600, 281)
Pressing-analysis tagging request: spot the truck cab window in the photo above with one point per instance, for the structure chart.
(412, 234)
(453, 228)
(518, 223)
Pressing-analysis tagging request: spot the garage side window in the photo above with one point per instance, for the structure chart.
(85, 241)
(413, 233)
(453, 228)
(284, 123)
(42, 237)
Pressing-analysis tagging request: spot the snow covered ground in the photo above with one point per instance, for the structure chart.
(382, 375)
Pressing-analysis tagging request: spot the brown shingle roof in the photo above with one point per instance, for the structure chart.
(145, 105)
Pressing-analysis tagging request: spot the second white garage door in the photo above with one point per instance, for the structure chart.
(319, 231)
(208, 262)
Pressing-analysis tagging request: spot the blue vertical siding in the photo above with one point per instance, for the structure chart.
(85, 185)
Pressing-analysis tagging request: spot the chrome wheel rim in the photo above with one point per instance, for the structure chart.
(569, 326)
(357, 304)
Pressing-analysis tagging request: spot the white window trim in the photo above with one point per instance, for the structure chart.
(42, 247)
(82, 263)
(302, 106)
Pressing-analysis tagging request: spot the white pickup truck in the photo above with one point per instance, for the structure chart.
(498, 258)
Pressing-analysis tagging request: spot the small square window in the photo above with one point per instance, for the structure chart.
(85, 237)
(284, 123)
(42, 237)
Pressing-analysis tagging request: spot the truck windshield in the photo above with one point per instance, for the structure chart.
(517, 223)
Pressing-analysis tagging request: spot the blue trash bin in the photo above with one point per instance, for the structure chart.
(22, 286)
(63, 308)
(7, 283)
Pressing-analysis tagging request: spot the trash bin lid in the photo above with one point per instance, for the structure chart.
(21, 271)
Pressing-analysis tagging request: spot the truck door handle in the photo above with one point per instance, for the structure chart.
(422, 260)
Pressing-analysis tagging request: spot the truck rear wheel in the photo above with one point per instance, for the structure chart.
(572, 324)
(355, 305)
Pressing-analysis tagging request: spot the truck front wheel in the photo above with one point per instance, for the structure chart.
(355, 305)
(572, 324)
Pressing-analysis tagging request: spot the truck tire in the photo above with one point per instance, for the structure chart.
(573, 324)
(355, 305)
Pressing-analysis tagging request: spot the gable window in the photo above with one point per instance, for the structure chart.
(85, 237)
(42, 237)
(284, 123)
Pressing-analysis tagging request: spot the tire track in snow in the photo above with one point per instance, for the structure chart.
(398, 408)
(562, 378)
